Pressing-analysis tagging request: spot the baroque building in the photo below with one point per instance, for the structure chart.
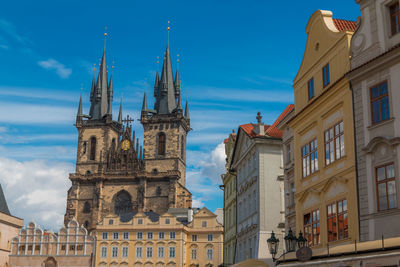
(71, 246)
(374, 78)
(114, 173)
(229, 185)
(180, 237)
(324, 165)
(9, 228)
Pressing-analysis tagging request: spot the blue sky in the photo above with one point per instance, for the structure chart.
(236, 58)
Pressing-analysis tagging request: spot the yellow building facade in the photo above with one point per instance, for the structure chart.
(152, 240)
(325, 176)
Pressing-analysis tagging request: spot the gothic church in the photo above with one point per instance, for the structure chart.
(114, 173)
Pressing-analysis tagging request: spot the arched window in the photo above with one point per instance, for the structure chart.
(92, 148)
(50, 262)
(122, 203)
(161, 144)
(183, 147)
(86, 224)
(86, 207)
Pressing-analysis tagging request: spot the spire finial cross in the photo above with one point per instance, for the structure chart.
(158, 62)
(105, 37)
(168, 28)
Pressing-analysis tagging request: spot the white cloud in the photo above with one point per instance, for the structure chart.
(52, 64)
(36, 190)
(214, 166)
(35, 113)
(197, 202)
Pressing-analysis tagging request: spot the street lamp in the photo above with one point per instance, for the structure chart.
(290, 241)
(301, 241)
(273, 243)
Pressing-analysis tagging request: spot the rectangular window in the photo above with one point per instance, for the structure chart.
(172, 252)
(312, 227)
(125, 252)
(379, 103)
(149, 235)
(172, 235)
(337, 220)
(288, 153)
(334, 143)
(394, 18)
(210, 238)
(139, 235)
(149, 252)
(310, 86)
(309, 156)
(325, 75)
(161, 235)
(386, 187)
(167, 221)
(139, 252)
(204, 224)
(105, 236)
(161, 252)
(292, 192)
(194, 254)
(209, 254)
(114, 252)
(194, 238)
(115, 235)
(104, 252)
(140, 221)
(126, 235)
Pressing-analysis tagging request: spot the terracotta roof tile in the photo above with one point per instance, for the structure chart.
(273, 131)
(345, 25)
(249, 127)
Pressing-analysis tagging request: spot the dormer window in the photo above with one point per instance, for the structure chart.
(394, 18)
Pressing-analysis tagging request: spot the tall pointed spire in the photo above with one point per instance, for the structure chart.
(187, 110)
(99, 101)
(120, 112)
(79, 115)
(166, 91)
(110, 94)
(177, 82)
(144, 105)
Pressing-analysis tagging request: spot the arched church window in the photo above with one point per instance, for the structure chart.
(161, 144)
(113, 143)
(122, 203)
(86, 207)
(183, 147)
(92, 148)
(50, 262)
(86, 224)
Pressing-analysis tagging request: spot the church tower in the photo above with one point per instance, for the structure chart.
(167, 125)
(114, 174)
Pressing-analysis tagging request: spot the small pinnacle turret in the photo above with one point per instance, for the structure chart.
(110, 95)
(120, 112)
(79, 115)
(187, 110)
(144, 105)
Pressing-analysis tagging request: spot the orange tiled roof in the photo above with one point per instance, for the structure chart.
(345, 25)
(275, 132)
(249, 127)
(226, 140)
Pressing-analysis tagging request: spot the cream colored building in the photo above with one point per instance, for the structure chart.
(9, 228)
(71, 246)
(324, 170)
(149, 239)
(229, 182)
(375, 83)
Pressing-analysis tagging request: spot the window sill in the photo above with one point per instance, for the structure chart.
(310, 176)
(335, 162)
(339, 241)
(378, 124)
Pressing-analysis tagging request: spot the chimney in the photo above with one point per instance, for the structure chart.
(259, 126)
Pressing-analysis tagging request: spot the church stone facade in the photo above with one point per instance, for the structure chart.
(114, 173)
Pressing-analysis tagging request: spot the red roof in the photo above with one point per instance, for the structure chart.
(273, 131)
(345, 25)
(270, 131)
(226, 140)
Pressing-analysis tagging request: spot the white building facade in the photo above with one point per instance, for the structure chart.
(257, 160)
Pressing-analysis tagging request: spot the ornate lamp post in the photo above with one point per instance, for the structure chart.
(273, 243)
(290, 241)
